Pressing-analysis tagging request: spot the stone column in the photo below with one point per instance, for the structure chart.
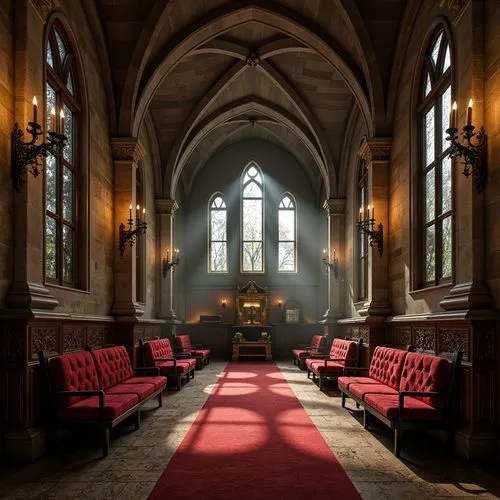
(127, 152)
(334, 208)
(165, 209)
(376, 153)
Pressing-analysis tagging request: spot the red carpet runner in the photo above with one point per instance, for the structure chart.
(253, 440)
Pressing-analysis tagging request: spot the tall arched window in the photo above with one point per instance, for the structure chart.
(362, 237)
(435, 179)
(61, 170)
(217, 234)
(252, 215)
(287, 244)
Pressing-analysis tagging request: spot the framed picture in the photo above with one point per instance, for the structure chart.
(291, 316)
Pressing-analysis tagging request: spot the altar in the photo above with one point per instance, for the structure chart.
(252, 349)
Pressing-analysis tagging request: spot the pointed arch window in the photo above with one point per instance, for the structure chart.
(362, 237)
(287, 230)
(62, 174)
(252, 216)
(217, 231)
(435, 176)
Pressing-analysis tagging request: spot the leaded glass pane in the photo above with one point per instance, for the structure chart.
(445, 116)
(218, 202)
(447, 248)
(218, 225)
(252, 173)
(51, 184)
(252, 256)
(68, 249)
(50, 247)
(252, 220)
(286, 256)
(430, 195)
(68, 194)
(252, 190)
(286, 225)
(68, 132)
(446, 185)
(50, 101)
(435, 49)
(286, 202)
(447, 58)
(430, 255)
(70, 85)
(218, 256)
(50, 55)
(429, 136)
(61, 47)
(428, 86)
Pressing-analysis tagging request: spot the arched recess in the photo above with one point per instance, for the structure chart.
(255, 105)
(222, 20)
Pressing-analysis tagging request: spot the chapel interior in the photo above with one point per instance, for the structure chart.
(208, 167)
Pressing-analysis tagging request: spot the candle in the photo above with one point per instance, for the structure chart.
(35, 108)
(368, 212)
(137, 212)
(53, 119)
(62, 121)
(168, 253)
(453, 115)
(324, 252)
(130, 211)
(144, 214)
(469, 113)
(360, 212)
(373, 212)
(334, 254)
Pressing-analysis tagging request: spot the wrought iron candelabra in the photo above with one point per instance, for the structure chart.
(26, 155)
(367, 226)
(332, 265)
(170, 265)
(134, 230)
(472, 151)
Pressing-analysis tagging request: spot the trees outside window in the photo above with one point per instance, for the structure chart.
(287, 252)
(217, 231)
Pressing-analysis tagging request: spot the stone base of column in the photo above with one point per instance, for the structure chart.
(127, 309)
(27, 296)
(477, 447)
(375, 308)
(473, 295)
(24, 445)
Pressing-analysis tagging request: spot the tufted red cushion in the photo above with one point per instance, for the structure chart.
(414, 409)
(361, 390)
(183, 342)
(157, 381)
(345, 382)
(422, 372)
(182, 366)
(142, 391)
(88, 408)
(113, 366)
(318, 341)
(201, 353)
(73, 372)
(299, 353)
(343, 349)
(158, 349)
(386, 365)
(318, 366)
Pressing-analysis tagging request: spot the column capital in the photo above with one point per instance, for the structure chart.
(166, 206)
(376, 149)
(44, 7)
(334, 206)
(127, 149)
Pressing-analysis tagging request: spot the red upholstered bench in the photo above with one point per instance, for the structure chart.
(343, 353)
(158, 353)
(303, 351)
(97, 388)
(200, 353)
(406, 390)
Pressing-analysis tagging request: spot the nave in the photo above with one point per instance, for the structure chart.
(136, 461)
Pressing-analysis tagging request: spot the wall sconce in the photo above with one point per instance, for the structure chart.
(223, 303)
(367, 226)
(332, 265)
(25, 155)
(129, 235)
(280, 304)
(472, 153)
(170, 264)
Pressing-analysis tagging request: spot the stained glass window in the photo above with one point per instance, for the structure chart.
(287, 260)
(252, 249)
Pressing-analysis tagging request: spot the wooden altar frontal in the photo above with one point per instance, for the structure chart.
(251, 350)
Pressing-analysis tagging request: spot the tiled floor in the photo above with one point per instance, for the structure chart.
(137, 458)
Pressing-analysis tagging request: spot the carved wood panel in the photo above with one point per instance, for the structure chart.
(96, 336)
(425, 339)
(44, 339)
(73, 339)
(453, 339)
(13, 344)
(403, 336)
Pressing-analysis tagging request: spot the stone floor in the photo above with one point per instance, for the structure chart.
(137, 458)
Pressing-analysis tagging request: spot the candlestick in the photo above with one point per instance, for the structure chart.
(334, 254)
(469, 113)
(130, 211)
(359, 215)
(137, 212)
(53, 119)
(143, 214)
(61, 115)
(373, 212)
(453, 115)
(35, 109)
(368, 212)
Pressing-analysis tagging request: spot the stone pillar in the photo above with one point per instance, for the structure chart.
(376, 153)
(127, 152)
(334, 208)
(165, 209)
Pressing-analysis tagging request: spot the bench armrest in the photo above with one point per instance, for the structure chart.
(357, 368)
(167, 359)
(155, 369)
(403, 394)
(345, 360)
(183, 355)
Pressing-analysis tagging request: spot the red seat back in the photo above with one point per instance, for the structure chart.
(386, 365)
(157, 349)
(343, 350)
(318, 341)
(183, 343)
(113, 366)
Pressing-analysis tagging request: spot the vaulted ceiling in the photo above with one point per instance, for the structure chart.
(213, 72)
